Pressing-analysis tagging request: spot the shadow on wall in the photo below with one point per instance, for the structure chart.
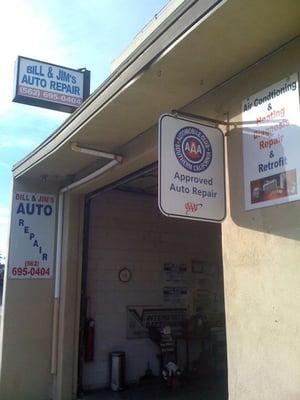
(281, 220)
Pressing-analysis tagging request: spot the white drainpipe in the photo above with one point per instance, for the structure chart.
(115, 159)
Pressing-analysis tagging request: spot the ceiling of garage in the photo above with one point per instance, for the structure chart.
(144, 184)
(234, 36)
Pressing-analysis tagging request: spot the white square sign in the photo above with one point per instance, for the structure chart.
(271, 143)
(191, 170)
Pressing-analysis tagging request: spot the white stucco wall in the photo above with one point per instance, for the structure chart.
(261, 256)
(26, 325)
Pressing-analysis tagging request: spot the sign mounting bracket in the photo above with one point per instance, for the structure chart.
(204, 118)
(197, 117)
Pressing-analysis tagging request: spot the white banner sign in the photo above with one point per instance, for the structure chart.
(271, 143)
(31, 254)
(191, 170)
(49, 85)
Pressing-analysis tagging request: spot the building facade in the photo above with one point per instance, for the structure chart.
(204, 58)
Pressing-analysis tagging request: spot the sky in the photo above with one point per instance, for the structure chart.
(72, 33)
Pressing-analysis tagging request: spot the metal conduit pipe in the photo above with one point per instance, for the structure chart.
(58, 264)
(57, 282)
(94, 152)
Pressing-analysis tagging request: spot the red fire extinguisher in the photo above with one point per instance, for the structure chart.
(89, 340)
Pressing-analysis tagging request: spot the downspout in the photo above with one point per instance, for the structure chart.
(57, 283)
(115, 159)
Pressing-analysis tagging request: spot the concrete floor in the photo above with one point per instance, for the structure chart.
(212, 389)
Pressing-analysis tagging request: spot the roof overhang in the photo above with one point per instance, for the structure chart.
(201, 45)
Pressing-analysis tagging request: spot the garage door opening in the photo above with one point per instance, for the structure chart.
(151, 283)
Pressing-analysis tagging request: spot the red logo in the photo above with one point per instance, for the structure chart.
(192, 148)
(192, 207)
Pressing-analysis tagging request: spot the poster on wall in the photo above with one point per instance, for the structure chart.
(141, 318)
(175, 272)
(191, 170)
(175, 296)
(202, 300)
(31, 254)
(271, 142)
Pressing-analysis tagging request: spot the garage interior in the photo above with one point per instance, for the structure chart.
(142, 272)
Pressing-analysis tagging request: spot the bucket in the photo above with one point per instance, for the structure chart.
(117, 370)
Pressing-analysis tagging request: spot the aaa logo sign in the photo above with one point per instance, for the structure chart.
(192, 149)
(191, 170)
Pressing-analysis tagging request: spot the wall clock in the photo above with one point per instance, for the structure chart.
(124, 275)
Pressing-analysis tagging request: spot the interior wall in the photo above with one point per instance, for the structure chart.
(127, 230)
